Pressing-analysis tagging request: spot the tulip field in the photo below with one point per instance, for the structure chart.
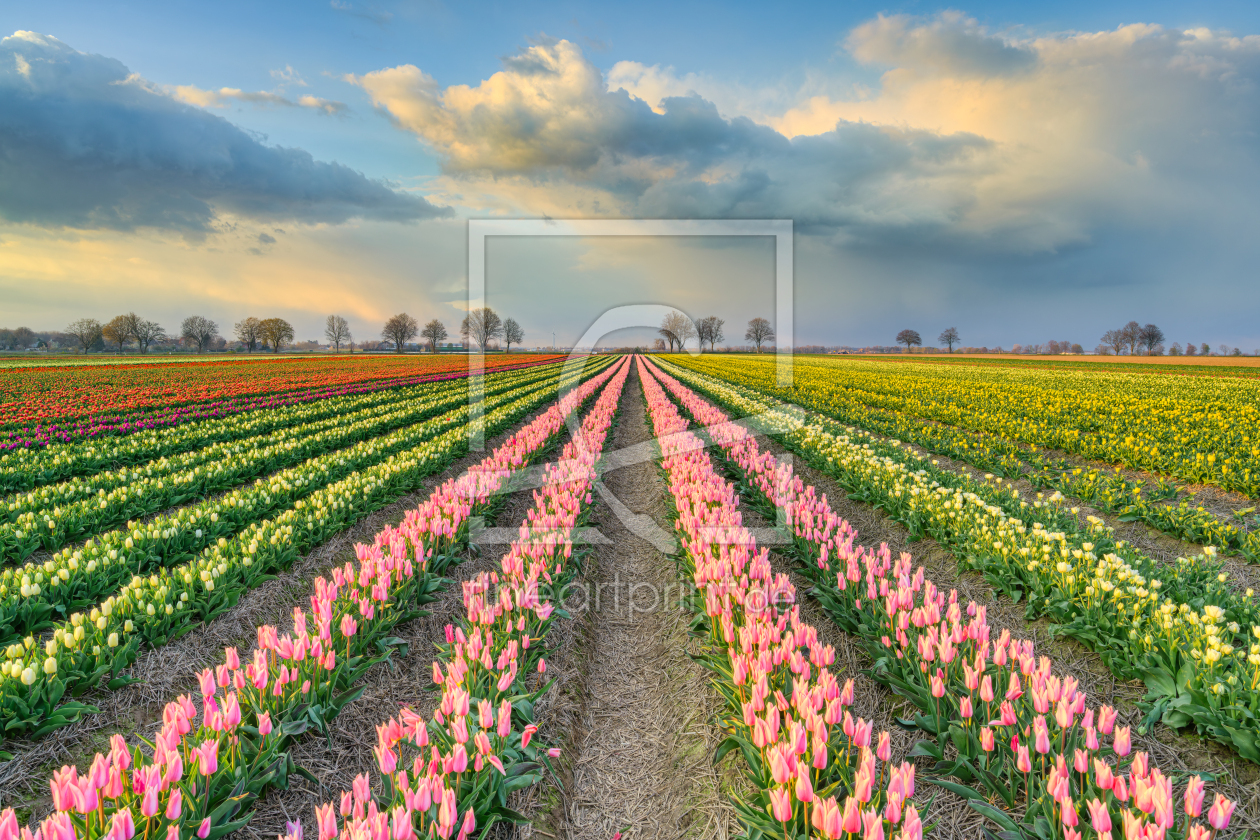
(143, 503)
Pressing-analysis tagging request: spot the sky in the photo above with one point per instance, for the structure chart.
(1022, 172)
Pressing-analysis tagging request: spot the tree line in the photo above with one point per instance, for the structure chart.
(481, 326)
(677, 329)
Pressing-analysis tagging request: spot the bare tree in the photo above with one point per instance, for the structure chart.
(759, 332)
(481, 325)
(86, 331)
(949, 337)
(274, 331)
(249, 333)
(117, 332)
(910, 338)
(668, 337)
(710, 330)
(24, 337)
(1132, 333)
(1191, 348)
(337, 331)
(144, 332)
(1150, 337)
(399, 330)
(1115, 339)
(199, 330)
(512, 334)
(678, 329)
(434, 331)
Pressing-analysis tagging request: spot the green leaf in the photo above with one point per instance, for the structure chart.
(926, 749)
(992, 813)
(961, 790)
(723, 748)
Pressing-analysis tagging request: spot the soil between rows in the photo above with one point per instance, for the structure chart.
(630, 708)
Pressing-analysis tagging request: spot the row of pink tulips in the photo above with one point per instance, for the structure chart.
(818, 771)
(206, 765)
(1008, 724)
(455, 771)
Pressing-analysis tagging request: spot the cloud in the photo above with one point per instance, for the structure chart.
(369, 14)
(288, 76)
(550, 120)
(949, 43)
(266, 239)
(222, 97)
(973, 142)
(327, 106)
(1141, 128)
(86, 144)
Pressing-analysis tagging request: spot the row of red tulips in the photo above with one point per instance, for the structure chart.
(48, 405)
(997, 718)
(207, 764)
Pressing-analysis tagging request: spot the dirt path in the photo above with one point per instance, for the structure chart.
(641, 750)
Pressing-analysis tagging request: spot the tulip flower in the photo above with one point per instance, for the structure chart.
(1222, 809)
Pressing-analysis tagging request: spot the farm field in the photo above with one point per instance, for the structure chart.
(1172, 365)
(44, 404)
(319, 605)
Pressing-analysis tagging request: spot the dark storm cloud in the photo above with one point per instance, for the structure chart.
(86, 144)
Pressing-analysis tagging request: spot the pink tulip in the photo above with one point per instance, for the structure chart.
(1069, 817)
(1194, 796)
(1042, 735)
(1222, 809)
(1122, 743)
(1106, 719)
(851, 822)
(208, 757)
(118, 752)
(348, 626)
(203, 830)
(400, 824)
(1099, 816)
(781, 804)
(231, 712)
(912, 826)
(264, 724)
(175, 805)
(873, 825)
(326, 820)
(208, 687)
(804, 787)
